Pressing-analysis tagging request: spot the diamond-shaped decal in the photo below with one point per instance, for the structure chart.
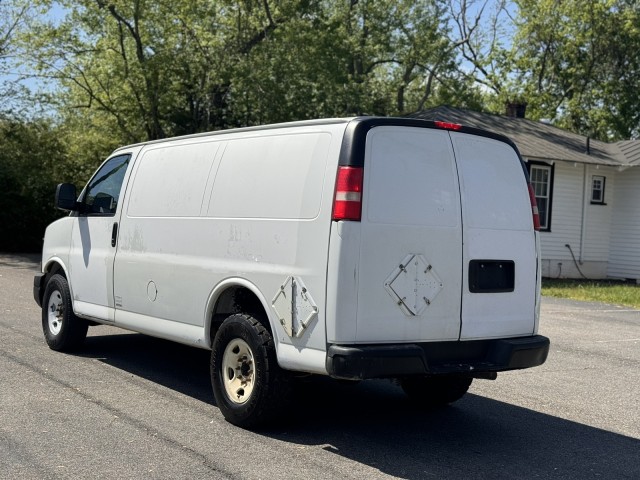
(413, 285)
(294, 306)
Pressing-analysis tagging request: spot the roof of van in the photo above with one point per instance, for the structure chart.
(301, 123)
(360, 124)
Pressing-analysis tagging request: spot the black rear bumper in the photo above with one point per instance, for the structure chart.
(473, 358)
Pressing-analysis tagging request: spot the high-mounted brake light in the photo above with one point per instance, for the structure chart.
(534, 209)
(347, 204)
(448, 125)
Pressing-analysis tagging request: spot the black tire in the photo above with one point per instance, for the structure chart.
(63, 331)
(248, 385)
(435, 391)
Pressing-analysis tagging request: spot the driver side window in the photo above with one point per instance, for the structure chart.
(103, 191)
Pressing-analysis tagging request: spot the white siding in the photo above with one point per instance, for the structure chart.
(624, 259)
(566, 213)
(597, 243)
(566, 222)
(567, 269)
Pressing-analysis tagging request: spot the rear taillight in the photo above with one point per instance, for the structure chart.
(534, 209)
(347, 204)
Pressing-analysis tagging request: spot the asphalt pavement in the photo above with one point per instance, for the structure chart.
(131, 406)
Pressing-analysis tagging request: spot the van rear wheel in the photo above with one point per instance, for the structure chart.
(63, 331)
(247, 382)
(435, 391)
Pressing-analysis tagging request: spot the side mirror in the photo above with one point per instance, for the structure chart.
(66, 197)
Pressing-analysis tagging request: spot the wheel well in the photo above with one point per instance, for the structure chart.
(233, 300)
(54, 268)
(50, 271)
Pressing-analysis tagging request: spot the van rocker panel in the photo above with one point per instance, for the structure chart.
(472, 358)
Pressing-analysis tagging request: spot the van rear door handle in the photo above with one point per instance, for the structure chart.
(114, 234)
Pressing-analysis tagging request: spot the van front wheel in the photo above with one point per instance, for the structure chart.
(437, 390)
(63, 331)
(247, 382)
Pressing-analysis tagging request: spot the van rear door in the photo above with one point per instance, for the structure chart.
(410, 264)
(447, 246)
(499, 245)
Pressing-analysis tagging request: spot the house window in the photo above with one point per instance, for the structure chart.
(541, 176)
(597, 189)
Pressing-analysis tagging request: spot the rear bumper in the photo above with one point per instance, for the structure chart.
(472, 358)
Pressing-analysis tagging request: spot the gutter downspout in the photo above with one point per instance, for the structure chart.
(583, 226)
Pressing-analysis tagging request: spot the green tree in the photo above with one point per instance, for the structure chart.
(32, 159)
(345, 58)
(12, 20)
(152, 69)
(114, 61)
(579, 64)
(149, 69)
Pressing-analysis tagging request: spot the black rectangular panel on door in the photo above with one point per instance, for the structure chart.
(491, 276)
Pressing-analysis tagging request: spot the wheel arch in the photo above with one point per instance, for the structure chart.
(55, 265)
(235, 295)
(52, 266)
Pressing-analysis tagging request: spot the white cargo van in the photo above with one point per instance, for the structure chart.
(355, 248)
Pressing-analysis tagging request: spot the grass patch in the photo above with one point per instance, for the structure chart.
(605, 291)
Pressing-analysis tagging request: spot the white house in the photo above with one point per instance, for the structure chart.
(588, 193)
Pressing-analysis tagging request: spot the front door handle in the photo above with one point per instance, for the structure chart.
(114, 234)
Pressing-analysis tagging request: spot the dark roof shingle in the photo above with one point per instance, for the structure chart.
(537, 140)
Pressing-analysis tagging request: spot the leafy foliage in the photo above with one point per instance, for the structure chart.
(30, 158)
(579, 63)
(154, 69)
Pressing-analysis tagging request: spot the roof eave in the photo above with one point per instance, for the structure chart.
(595, 161)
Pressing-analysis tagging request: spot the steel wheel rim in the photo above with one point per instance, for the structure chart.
(238, 374)
(55, 312)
